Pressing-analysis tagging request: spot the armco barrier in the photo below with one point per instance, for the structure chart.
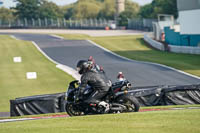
(172, 48)
(154, 43)
(184, 49)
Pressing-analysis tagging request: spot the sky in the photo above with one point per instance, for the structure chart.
(10, 3)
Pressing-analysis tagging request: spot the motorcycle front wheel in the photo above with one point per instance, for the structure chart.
(131, 103)
(72, 110)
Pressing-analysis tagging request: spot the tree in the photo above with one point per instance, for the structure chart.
(165, 7)
(131, 8)
(86, 9)
(159, 7)
(131, 11)
(34, 9)
(28, 8)
(108, 10)
(146, 11)
(90, 9)
(69, 11)
(50, 10)
(6, 14)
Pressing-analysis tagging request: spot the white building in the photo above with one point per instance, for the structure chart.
(189, 28)
(189, 16)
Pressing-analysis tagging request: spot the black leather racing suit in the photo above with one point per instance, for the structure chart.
(98, 81)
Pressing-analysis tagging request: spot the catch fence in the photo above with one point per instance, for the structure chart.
(56, 23)
(141, 24)
(61, 23)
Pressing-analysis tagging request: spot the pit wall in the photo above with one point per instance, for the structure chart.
(177, 39)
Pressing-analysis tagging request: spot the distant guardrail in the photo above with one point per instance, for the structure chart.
(154, 43)
(56, 23)
(184, 49)
(171, 48)
(141, 24)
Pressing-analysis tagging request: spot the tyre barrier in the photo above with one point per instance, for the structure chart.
(40, 104)
(147, 96)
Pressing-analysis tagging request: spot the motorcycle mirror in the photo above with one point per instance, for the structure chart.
(129, 85)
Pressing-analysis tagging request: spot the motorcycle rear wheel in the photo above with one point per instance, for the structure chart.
(131, 104)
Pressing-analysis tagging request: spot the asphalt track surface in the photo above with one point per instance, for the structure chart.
(68, 52)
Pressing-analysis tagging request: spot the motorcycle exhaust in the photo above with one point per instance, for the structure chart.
(117, 107)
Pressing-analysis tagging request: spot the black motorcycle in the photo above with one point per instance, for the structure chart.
(117, 100)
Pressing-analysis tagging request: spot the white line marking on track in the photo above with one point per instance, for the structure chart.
(56, 36)
(65, 68)
(33, 118)
(12, 36)
(13, 120)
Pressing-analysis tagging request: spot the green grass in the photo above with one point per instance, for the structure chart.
(173, 121)
(170, 106)
(142, 109)
(13, 82)
(135, 48)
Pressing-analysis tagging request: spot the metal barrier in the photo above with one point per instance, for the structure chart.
(56, 23)
(137, 24)
(141, 24)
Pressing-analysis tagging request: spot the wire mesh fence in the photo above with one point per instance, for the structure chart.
(136, 24)
(141, 24)
(56, 23)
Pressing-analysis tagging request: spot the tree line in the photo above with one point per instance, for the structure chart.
(86, 9)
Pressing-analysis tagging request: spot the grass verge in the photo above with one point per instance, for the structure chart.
(173, 121)
(13, 82)
(142, 109)
(135, 48)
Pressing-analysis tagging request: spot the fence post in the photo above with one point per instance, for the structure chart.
(39, 22)
(95, 23)
(85, 23)
(9, 21)
(64, 22)
(81, 23)
(51, 22)
(76, 24)
(18, 22)
(33, 22)
(91, 23)
(100, 22)
(70, 23)
(105, 23)
(46, 24)
(128, 23)
(58, 23)
(25, 22)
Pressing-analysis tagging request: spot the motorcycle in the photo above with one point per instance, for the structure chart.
(117, 100)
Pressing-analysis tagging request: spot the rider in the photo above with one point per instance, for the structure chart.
(94, 66)
(94, 78)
